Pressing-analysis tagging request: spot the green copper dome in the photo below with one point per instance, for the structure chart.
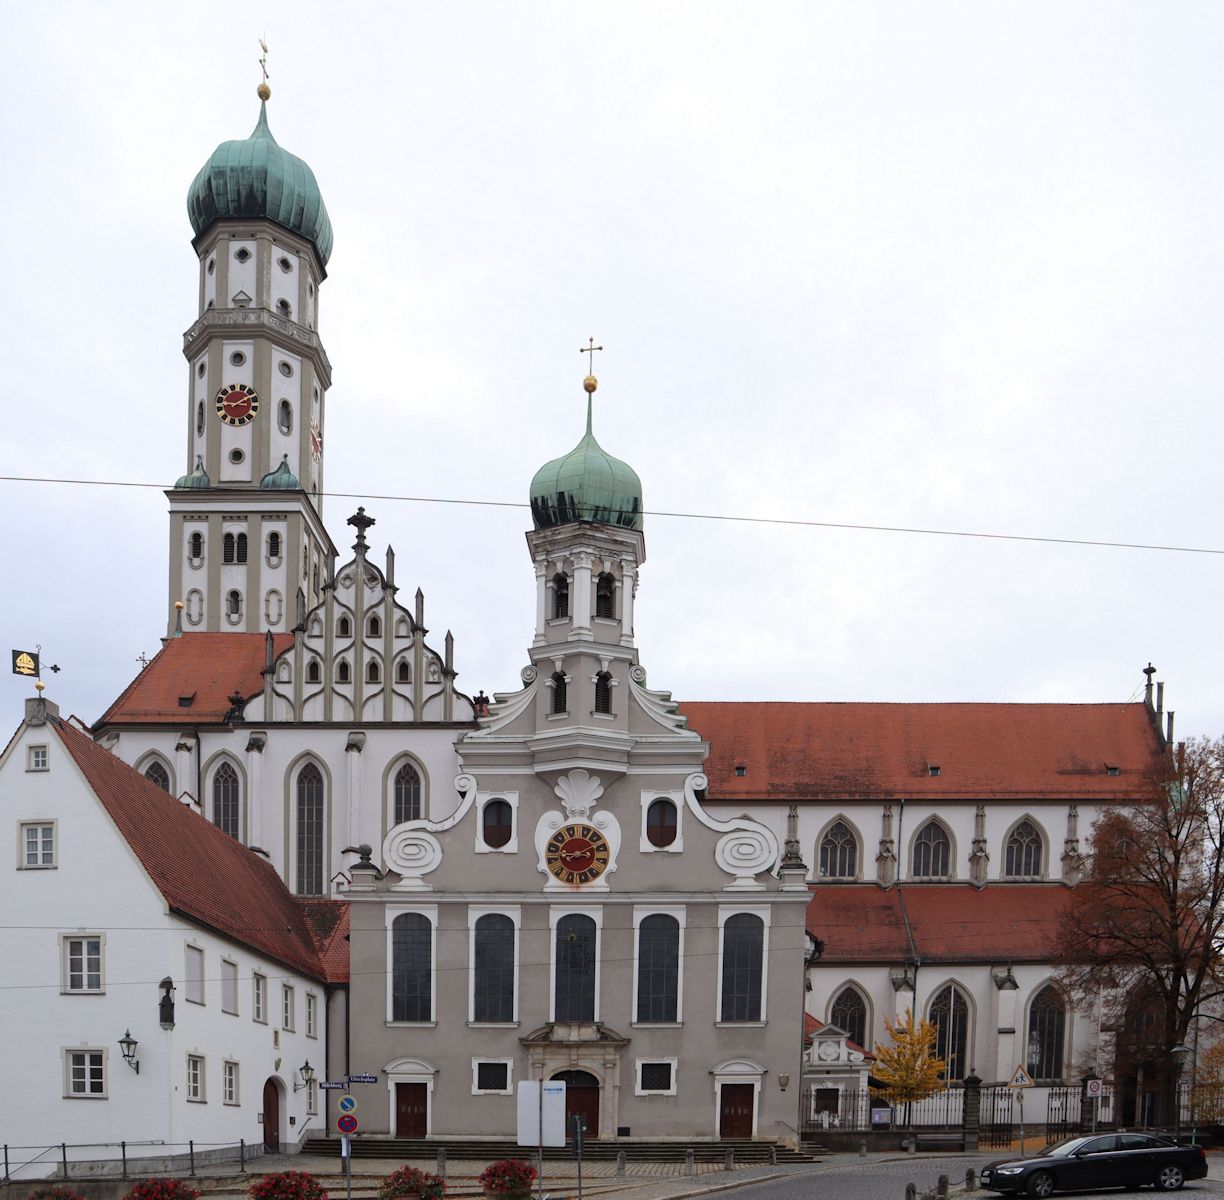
(256, 178)
(280, 480)
(587, 484)
(198, 478)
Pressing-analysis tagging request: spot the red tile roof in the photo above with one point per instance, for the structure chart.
(950, 922)
(208, 877)
(208, 666)
(884, 751)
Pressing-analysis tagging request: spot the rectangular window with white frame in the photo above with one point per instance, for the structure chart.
(312, 1015)
(85, 1074)
(82, 963)
(36, 845)
(286, 1007)
(574, 967)
(259, 998)
(656, 1077)
(229, 986)
(37, 758)
(493, 939)
(743, 957)
(195, 1079)
(229, 1078)
(312, 1098)
(492, 1077)
(658, 955)
(193, 991)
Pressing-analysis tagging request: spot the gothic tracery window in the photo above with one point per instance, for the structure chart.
(932, 852)
(156, 773)
(1022, 859)
(226, 801)
(1047, 1034)
(849, 1012)
(838, 853)
(310, 831)
(407, 794)
(950, 1015)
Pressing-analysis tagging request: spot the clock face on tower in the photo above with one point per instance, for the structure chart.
(237, 404)
(577, 853)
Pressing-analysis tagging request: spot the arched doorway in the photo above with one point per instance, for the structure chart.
(271, 1116)
(581, 1100)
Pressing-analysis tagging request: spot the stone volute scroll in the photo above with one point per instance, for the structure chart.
(412, 851)
(746, 849)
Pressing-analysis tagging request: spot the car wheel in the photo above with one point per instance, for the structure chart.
(1041, 1184)
(1170, 1178)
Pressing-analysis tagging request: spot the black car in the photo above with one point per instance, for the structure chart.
(1126, 1160)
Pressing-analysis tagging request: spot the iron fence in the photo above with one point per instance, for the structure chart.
(126, 1160)
(853, 1110)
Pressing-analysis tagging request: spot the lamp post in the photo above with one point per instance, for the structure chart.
(1178, 1054)
(128, 1044)
(307, 1073)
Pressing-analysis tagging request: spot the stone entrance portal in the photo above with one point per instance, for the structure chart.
(587, 1057)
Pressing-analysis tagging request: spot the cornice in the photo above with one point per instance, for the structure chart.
(290, 334)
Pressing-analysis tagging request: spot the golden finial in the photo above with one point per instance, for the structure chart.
(39, 686)
(265, 92)
(179, 604)
(590, 383)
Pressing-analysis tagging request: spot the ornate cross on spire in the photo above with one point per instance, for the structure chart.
(589, 351)
(264, 90)
(361, 523)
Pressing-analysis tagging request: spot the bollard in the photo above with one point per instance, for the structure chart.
(242, 1155)
(773, 1154)
(941, 1186)
(191, 1155)
(862, 1149)
(6, 1166)
(913, 1144)
(620, 1164)
(441, 1167)
(123, 1156)
(971, 1180)
(64, 1157)
(688, 1162)
(730, 1159)
(911, 1191)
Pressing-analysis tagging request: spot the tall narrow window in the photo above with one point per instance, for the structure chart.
(285, 417)
(603, 692)
(605, 595)
(312, 671)
(574, 994)
(343, 674)
(200, 417)
(493, 962)
(156, 773)
(374, 626)
(197, 546)
(274, 546)
(407, 794)
(838, 853)
(344, 627)
(310, 831)
(241, 548)
(661, 823)
(226, 799)
(558, 693)
(1047, 1034)
(743, 954)
(560, 596)
(1023, 857)
(849, 1012)
(950, 1016)
(227, 548)
(403, 672)
(658, 968)
(233, 604)
(411, 968)
(497, 823)
(373, 675)
(932, 853)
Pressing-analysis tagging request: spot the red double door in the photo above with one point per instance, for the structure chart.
(735, 1104)
(411, 1110)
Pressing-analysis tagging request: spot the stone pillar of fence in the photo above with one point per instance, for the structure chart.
(972, 1113)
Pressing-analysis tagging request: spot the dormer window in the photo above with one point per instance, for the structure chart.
(605, 596)
(185, 700)
(1111, 770)
(560, 596)
(932, 770)
(741, 770)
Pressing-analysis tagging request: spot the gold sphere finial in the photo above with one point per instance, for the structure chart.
(590, 383)
(39, 685)
(265, 92)
(179, 604)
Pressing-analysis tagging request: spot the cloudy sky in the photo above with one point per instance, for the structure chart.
(948, 266)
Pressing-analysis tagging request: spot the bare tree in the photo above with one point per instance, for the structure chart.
(1143, 934)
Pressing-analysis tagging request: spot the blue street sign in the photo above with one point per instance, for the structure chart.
(348, 1104)
(363, 1079)
(329, 1084)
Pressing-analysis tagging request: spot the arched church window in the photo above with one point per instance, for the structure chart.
(411, 968)
(344, 627)
(574, 988)
(156, 773)
(310, 831)
(558, 692)
(233, 604)
(849, 1012)
(560, 595)
(407, 794)
(274, 546)
(493, 968)
(605, 595)
(743, 946)
(312, 671)
(284, 419)
(661, 823)
(1022, 859)
(603, 692)
(374, 626)
(932, 853)
(403, 671)
(343, 675)
(241, 548)
(372, 672)
(197, 546)
(227, 548)
(226, 799)
(497, 823)
(658, 990)
(838, 853)
(1047, 1034)
(950, 1016)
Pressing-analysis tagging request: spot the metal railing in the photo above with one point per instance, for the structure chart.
(126, 1159)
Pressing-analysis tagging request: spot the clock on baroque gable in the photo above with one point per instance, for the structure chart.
(578, 847)
(237, 404)
(577, 853)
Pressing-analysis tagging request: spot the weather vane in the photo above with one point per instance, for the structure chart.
(264, 90)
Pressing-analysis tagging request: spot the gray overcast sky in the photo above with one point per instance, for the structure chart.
(942, 265)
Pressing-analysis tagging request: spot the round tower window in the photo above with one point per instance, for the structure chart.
(286, 369)
(200, 370)
(284, 264)
(242, 254)
(237, 456)
(282, 306)
(237, 358)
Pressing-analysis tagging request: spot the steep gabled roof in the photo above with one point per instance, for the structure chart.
(206, 667)
(887, 751)
(205, 875)
(951, 922)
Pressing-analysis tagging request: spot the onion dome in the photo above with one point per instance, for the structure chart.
(197, 479)
(587, 484)
(256, 178)
(280, 480)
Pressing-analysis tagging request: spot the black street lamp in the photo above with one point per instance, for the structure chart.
(128, 1044)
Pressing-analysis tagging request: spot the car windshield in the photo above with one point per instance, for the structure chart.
(1064, 1148)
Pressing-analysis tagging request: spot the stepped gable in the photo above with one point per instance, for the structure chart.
(203, 874)
(207, 667)
(879, 752)
(952, 922)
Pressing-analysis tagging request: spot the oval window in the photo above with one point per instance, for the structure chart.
(661, 823)
(498, 823)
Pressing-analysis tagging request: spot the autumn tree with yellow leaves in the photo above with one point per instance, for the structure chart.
(908, 1068)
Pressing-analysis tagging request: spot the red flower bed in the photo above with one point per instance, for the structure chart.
(286, 1185)
(161, 1189)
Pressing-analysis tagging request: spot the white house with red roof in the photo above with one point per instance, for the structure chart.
(171, 990)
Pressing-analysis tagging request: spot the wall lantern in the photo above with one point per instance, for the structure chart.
(306, 1071)
(165, 1006)
(128, 1045)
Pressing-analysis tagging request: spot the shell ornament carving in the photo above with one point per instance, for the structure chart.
(578, 792)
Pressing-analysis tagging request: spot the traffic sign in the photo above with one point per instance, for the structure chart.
(1020, 1078)
(363, 1079)
(1095, 1088)
(346, 1124)
(330, 1084)
(348, 1104)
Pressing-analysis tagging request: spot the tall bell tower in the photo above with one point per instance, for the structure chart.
(246, 528)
